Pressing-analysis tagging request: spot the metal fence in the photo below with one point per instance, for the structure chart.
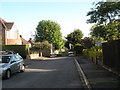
(111, 55)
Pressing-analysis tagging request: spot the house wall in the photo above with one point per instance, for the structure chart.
(2, 34)
(13, 36)
(13, 41)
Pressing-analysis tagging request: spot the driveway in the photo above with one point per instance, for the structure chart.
(57, 72)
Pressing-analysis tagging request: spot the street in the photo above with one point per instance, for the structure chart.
(59, 72)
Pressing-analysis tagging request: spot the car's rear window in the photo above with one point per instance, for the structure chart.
(4, 59)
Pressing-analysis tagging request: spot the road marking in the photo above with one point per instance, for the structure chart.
(81, 73)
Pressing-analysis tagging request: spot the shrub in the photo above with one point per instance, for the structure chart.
(78, 48)
(94, 53)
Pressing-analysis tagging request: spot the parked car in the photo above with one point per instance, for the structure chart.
(7, 52)
(70, 53)
(11, 63)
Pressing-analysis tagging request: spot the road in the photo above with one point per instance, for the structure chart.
(59, 72)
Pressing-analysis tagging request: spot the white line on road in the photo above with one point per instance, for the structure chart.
(81, 73)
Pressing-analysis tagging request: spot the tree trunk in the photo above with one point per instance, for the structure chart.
(40, 54)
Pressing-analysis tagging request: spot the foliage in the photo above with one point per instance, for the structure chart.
(103, 12)
(113, 30)
(74, 37)
(98, 31)
(41, 47)
(94, 53)
(87, 42)
(23, 50)
(107, 32)
(49, 31)
(78, 48)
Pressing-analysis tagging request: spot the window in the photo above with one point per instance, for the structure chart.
(6, 59)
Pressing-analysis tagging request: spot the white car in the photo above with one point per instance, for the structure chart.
(70, 53)
(9, 64)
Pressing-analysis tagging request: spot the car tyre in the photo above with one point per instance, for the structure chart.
(8, 74)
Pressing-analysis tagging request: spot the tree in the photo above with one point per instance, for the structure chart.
(41, 46)
(113, 30)
(107, 32)
(98, 31)
(87, 42)
(74, 37)
(104, 12)
(50, 31)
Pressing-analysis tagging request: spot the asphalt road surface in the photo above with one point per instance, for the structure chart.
(59, 72)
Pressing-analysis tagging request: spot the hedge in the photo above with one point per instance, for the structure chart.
(78, 48)
(94, 54)
(23, 50)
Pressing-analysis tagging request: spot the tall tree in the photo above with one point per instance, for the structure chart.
(75, 37)
(104, 15)
(98, 31)
(104, 12)
(107, 32)
(50, 31)
(113, 30)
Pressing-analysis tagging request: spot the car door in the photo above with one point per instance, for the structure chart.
(14, 64)
(19, 64)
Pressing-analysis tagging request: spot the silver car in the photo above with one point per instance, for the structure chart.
(10, 64)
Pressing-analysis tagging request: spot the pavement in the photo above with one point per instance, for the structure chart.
(97, 76)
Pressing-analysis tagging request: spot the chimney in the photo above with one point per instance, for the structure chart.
(21, 36)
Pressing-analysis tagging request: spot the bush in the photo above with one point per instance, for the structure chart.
(42, 47)
(94, 53)
(78, 48)
(23, 50)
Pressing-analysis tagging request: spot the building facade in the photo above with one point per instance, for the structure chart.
(9, 33)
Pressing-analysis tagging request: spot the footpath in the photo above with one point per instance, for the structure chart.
(97, 76)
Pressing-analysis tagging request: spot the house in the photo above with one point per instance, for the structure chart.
(9, 33)
(31, 41)
(23, 40)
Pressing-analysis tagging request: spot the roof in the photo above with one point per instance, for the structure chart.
(31, 41)
(23, 40)
(7, 25)
(2, 20)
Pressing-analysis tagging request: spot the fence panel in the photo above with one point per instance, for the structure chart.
(111, 55)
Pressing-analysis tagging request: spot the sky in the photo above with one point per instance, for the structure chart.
(68, 14)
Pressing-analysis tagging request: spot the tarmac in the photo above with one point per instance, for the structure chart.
(96, 77)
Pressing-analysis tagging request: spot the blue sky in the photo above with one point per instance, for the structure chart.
(26, 15)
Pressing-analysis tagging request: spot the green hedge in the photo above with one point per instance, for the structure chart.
(78, 48)
(23, 50)
(94, 54)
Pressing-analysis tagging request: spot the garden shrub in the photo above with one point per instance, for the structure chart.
(78, 48)
(94, 53)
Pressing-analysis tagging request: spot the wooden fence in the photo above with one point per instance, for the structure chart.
(111, 55)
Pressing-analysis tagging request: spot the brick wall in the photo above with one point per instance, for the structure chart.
(14, 41)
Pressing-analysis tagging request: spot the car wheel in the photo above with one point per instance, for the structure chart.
(22, 69)
(8, 74)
